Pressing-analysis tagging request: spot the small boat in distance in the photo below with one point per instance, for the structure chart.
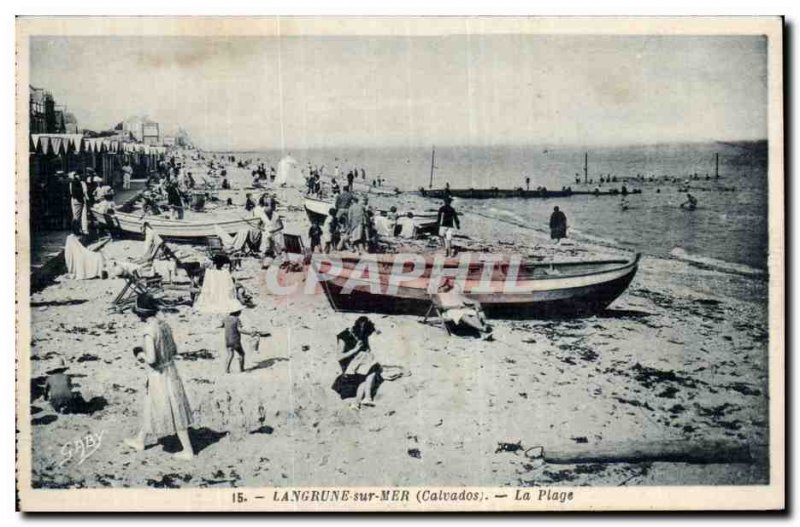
(539, 289)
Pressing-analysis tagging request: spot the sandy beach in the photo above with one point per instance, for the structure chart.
(667, 361)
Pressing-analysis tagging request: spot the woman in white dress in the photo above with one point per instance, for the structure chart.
(166, 407)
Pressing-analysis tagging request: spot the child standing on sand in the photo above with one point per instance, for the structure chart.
(233, 330)
(315, 236)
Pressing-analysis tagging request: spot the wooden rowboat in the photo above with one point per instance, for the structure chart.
(129, 225)
(540, 290)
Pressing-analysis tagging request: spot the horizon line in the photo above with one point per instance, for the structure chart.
(289, 149)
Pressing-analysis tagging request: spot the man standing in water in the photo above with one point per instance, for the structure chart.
(690, 203)
(558, 225)
(447, 218)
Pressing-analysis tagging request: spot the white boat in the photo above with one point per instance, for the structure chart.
(129, 224)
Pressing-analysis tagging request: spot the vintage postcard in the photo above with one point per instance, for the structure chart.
(400, 264)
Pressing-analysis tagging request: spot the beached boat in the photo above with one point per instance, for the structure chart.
(129, 225)
(539, 289)
(317, 210)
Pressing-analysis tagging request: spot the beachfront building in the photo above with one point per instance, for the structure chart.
(59, 125)
(70, 123)
(45, 117)
(150, 133)
(39, 100)
(141, 129)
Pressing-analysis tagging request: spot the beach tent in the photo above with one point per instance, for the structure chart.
(288, 173)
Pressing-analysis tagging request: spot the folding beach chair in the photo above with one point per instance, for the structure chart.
(294, 249)
(192, 269)
(214, 246)
(221, 244)
(437, 308)
(293, 244)
(135, 286)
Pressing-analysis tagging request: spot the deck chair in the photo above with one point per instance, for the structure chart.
(215, 246)
(192, 269)
(231, 246)
(134, 286)
(154, 245)
(460, 326)
(153, 249)
(437, 309)
(294, 249)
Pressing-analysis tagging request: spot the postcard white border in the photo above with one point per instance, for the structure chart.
(586, 498)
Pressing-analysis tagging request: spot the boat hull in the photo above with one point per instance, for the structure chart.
(566, 297)
(129, 225)
(473, 265)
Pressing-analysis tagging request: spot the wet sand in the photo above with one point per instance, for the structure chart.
(666, 361)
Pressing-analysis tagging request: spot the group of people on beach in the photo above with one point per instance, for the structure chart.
(88, 196)
(260, 175)
(349, 224)
(166, 408)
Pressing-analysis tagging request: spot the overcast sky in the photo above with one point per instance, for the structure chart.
(296, 92)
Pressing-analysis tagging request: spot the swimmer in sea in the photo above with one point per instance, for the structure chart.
(690, 203)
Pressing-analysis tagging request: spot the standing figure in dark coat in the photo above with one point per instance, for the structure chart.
(558, 225)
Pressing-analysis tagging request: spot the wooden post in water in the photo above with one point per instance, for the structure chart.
(433, 156)
(586, 168)
(716, 168)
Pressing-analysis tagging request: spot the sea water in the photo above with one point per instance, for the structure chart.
(728, 229)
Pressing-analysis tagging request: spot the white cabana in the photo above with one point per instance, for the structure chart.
(288, 173)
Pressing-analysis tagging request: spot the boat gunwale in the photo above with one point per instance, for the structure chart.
(630, 265)
(168, 221)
